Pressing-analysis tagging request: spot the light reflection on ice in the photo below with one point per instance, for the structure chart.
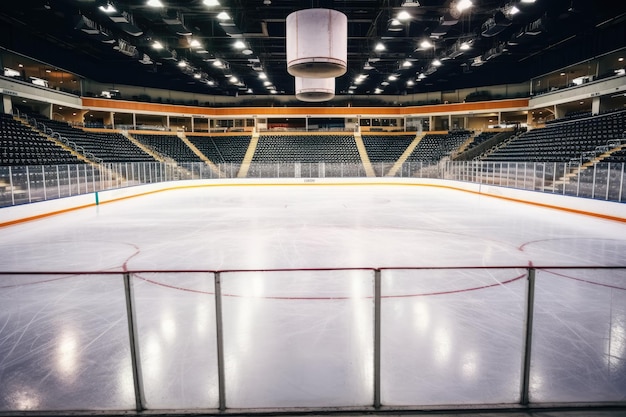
(67, 353)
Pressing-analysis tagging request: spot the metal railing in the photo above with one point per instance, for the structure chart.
(353, 339)
(26, 184)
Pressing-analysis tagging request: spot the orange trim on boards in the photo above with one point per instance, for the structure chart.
(313, 184)
(250, 112)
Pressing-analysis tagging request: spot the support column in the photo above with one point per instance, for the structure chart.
(7, 105)
(595, 105)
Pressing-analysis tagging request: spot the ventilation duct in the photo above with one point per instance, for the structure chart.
(495, 25)
(317, 43)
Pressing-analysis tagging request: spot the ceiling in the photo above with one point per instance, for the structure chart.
(118, 47)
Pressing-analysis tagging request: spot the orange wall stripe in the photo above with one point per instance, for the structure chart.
(250, 112)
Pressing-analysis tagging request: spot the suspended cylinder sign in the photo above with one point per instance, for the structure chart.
(315, 89)
(317, 43)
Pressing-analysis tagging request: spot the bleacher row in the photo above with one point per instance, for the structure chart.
(571, 140)
(26, 144)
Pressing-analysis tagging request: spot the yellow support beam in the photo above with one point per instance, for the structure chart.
(200, 155)
(365, 159)
(407, 152)
(247, 159)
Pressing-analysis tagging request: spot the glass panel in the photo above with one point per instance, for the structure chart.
(177, 339)
(579, 336)
(452, 336)
(298, 339)
(5, 187)
(64, 343)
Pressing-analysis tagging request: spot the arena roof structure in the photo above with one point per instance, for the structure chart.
(238, 47)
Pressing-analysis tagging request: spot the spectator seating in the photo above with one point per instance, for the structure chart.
(481, 138)
(432, 148)
(222, 149)
(170, 146)
(108, 146)
(309, 149)
(21, 145)
(386, 148)
(563, 142)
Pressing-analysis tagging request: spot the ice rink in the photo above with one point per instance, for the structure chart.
(451, 335)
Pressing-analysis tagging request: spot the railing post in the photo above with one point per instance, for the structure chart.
(58, 182)
(528, 339)
(593, 184)
(43, 182)
(377, 337)
(608, 180)
(77, 179)
(220, 343)
(621, 184)
(28, 183)
(134, 343)
(11, 184)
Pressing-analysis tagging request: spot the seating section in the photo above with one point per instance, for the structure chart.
(308, 149)
(170, 146)
(563, 142)
(432, 148)
(108, 146)
(617, 157)
(21, 145)
(570, 116)
(386, 148)
(481, 138)
(222, 149)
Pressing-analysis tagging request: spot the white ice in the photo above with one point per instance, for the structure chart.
(302, 338)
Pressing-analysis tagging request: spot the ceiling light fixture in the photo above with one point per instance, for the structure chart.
(195, 43)
(463, 5)
(239, 45)
(211, 3)
(223, 16)
(403, 15)
(426, 44)
(407, 64)
(109, 8)
(154, 3)
(157, 45)
(379, 47)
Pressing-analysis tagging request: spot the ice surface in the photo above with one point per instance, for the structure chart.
(305, 338)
